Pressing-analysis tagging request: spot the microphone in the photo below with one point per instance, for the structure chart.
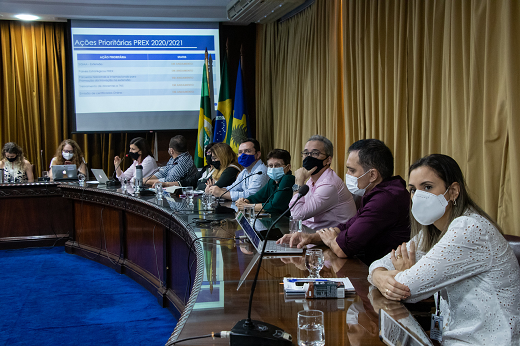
(86, 166)
(257, 332)
(114, 182)
(272, 195)
(220, 209)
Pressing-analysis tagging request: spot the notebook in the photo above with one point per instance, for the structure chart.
(64, 172)
(100, 175)
(271, 247)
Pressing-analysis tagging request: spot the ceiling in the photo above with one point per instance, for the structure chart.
(128, 10)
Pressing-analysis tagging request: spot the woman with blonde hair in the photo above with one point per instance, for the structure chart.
(69, 153)
(16, 168)
(226, 165)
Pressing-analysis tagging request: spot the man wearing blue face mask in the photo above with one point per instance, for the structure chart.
(249, 181)
(274, 197)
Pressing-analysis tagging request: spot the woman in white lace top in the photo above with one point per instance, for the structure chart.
(458, 253)
(16, 168)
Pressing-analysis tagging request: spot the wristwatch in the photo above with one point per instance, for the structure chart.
(295, 187)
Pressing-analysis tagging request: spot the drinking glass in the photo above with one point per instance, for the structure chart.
(310, 328)
(159, 191)
(45, 175)
(189, 194)
(314, 262)
(249, 213)
(123, 185)
(81, 179)
(295, 224)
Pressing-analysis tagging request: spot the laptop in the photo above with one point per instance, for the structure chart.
(393, 333)
(100, 175)
(64, 173)
(271, 247)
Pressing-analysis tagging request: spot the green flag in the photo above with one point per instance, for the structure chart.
(204, 130)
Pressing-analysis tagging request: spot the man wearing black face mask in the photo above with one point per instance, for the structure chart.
(328, 202)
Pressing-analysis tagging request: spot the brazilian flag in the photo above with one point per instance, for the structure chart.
(240, 124)
(204, 130)
(224, 118)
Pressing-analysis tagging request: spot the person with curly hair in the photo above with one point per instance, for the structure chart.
(69, 153)
(16, 168)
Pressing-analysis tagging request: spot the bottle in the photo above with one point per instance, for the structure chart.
(138, 177)
(1, 175)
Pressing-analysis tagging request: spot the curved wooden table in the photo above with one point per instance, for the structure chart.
(155, 244)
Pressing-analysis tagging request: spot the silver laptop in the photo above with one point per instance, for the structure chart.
(393, 333)
(100, 175)
(271, 247)
(64, 172)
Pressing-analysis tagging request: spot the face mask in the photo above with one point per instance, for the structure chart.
(427, 207)
(133, 156)
(67, 156)
(352, 184)
(275, 173)
(310, 162)
(216, 164)
(246, 160)
(11, 159)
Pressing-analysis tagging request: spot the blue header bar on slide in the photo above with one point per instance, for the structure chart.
(191, 42)
(143, 56)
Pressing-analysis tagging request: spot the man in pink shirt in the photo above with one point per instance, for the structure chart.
(328, 202)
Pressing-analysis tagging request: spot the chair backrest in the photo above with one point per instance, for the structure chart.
(514, 242)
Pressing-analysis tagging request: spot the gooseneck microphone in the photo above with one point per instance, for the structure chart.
(255, 333)
(220, 209)
(114, 182)
(86, 166)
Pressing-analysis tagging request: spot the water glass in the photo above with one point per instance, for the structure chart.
(310, 328)
(45, 175)
(189, 194)
(81, 179)
(314, 262)
(159, 191)
(249, 213)
(295, 224)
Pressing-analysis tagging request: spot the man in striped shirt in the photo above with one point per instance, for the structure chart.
(178, 167)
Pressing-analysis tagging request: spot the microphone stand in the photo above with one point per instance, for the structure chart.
(257, 333)
(114, 182)
(220, 209)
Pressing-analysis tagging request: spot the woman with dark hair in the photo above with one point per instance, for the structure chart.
(457, 253)
(69, 153)
(16, 168)
(141, 154)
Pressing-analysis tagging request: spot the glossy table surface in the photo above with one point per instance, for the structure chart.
(214, 303)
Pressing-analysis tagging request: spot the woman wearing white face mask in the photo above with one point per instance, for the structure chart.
(457, 253)
(69, 153)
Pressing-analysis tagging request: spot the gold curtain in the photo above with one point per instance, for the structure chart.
(437, 76)
(33, 97)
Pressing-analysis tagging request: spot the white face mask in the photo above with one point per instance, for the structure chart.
(352, 184)
(427, 207)
(67, 156)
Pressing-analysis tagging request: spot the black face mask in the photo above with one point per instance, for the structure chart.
(310, 162)
(133, 156)
(11, 159)
(216, 164)
(208, 159)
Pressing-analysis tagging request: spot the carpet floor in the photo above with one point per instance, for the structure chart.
(48, 297)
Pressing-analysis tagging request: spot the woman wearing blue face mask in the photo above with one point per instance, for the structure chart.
(457, 253)
(274, 196)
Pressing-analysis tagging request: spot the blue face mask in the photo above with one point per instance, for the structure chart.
(246, 160)
(275, 173)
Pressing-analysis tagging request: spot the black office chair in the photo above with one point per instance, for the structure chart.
(514, 242)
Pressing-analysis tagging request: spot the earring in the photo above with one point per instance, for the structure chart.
(454, 202)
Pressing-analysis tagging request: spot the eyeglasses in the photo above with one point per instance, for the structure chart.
(277, 165)
(246, 151)
(314, 153)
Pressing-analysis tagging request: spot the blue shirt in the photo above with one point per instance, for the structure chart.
(177, 168)
(251, 185)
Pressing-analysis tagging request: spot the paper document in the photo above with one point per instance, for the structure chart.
(299, 286)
